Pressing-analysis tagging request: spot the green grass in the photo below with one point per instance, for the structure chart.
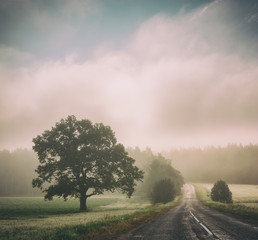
(245, 200)
(34, 218)
(17, 207)
(111, 228)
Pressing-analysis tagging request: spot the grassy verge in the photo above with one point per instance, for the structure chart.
(114, 227)
(237, 209)
(109, 226)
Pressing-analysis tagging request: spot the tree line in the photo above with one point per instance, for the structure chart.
(233, 163)
(16, 173)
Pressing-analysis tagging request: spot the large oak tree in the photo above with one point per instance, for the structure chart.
(81, 159)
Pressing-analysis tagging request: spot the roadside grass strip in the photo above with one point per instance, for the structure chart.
(114, 227)
(244, 207)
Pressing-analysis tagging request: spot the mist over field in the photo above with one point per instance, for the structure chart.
(233, 163)
(162, 75)
(177, 78)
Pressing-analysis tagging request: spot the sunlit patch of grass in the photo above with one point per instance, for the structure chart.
(245, 200)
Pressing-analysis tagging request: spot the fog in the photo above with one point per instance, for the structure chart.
(187, 79)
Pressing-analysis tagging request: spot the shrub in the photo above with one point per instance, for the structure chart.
(221, 193)
(163, 191)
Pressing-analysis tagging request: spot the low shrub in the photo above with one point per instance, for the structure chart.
(221, 193)
(163, 191)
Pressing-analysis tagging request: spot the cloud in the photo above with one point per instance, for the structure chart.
(168, 86)
(12, 57)
(47, 29)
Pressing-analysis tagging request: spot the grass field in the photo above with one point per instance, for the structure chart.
(245, 200)
(34, 218)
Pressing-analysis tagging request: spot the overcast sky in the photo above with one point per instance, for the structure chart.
(162, 73)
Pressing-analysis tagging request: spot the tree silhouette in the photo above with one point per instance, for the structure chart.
(81, 159)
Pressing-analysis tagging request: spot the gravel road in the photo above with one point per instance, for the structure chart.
(191, 220)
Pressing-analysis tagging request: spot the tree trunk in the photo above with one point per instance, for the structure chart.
(83, 200)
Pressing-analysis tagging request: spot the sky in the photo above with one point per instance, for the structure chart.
(162, 74)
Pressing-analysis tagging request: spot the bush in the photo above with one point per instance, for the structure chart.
(163, 191)
(221, 193)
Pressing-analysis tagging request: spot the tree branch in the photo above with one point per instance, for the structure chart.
(90, 195)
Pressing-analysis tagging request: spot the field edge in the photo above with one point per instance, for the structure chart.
(235, 209)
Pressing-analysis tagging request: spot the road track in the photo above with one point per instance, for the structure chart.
(191, 220)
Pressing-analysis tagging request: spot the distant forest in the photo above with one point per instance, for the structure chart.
(16, 173)
(234, 164)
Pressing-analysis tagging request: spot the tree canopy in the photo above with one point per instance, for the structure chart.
(81, 159)
(159, 169)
